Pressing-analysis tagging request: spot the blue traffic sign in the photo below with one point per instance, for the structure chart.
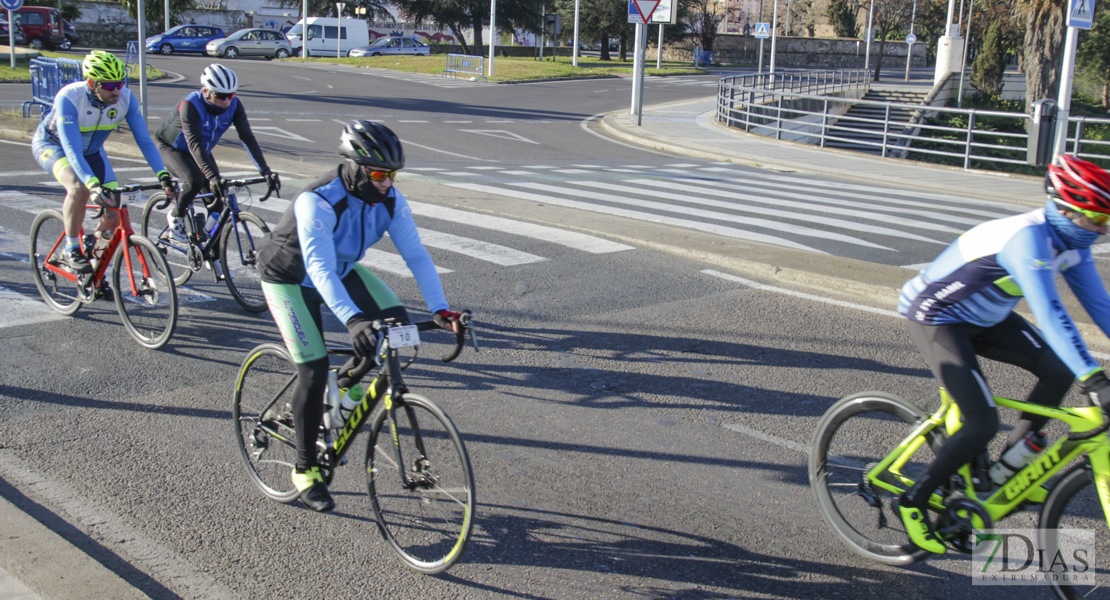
(911, 38)
(1081, 13)
(762, 30)
(11, 4)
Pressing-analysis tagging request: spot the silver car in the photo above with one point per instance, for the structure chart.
(267, 43)
(392, 46)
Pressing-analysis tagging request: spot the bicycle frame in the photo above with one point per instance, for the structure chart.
(120, 235)
(1027, 483)
(229, 213)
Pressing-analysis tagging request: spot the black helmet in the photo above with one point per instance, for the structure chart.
(371, 144)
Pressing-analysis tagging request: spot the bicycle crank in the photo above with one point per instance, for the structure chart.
(960, 520)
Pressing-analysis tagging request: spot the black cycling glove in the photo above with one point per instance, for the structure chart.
(362, 335)
(273, 182)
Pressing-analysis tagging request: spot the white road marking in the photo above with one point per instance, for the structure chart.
(23, 310)
(640, 216)
(500, 133)
(391, 263)
(770, 288)
(791, 228)
(570, 239)
(485, 251)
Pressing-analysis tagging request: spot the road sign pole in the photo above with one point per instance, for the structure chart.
(636, 73)
(760, 71)
(1063, 104)
(774, 35)
(11, 39)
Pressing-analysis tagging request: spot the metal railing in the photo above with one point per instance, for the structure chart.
(811, 108)
(48, 76)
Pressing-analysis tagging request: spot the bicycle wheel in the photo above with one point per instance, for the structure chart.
(1074, 504)
(154, 228)
(262, 408)
(426, 521)
(146, 297)
(237, 258)
(854, 435)
(59, 293)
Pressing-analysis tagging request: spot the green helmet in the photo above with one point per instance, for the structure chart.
(104, 66)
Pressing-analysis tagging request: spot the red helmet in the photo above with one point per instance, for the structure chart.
(1076, 183)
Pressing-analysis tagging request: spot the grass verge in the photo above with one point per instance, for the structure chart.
(512, 69)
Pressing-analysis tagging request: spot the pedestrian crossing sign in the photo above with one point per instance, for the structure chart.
(1081, 13)
(762, 30)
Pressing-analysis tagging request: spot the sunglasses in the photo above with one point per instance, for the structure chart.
(220, 96)
(1096, 218)
(382, 175)
(111, 86)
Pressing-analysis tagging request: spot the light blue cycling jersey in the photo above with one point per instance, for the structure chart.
(982, 276)
(80, 123)
(332, 241)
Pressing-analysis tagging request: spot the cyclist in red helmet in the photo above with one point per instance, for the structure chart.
(962, 307)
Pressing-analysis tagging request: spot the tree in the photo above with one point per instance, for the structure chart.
(1094, 52)
(842, 17)
(154, 13)
(1043, 47)
(889, 18)
(326, 8)
(990, 65)
(460, 15)
(704, 17)
(598, 21)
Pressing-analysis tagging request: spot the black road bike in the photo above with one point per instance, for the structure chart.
(419, 477)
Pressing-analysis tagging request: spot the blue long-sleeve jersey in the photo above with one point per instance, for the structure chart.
(327, 230)
(80, 124)
(982, 276)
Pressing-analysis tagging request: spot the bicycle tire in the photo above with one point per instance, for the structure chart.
(1074, 504)
(239, 270)
(177, 257)
(428, 524)
(264, 395)
(59, 293)
(149, 310)
(839, 458)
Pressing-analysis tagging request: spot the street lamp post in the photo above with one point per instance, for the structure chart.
(304, 29)
(339, 28)
(867, 50)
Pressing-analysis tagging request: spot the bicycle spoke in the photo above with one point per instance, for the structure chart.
(264, 394)
(146, 297)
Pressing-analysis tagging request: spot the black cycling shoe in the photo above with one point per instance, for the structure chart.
(72, 259)
(104, 292)
(314, 491)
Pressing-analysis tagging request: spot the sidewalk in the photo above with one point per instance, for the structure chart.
(690, 128)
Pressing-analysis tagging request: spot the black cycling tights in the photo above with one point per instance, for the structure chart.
(182, 166)
(951, 352)
(308, 408)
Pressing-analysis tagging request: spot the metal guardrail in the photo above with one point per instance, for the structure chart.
(803, 107)
(465, 64)
(48, 76)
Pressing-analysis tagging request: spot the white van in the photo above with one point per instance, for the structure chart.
(322, 36)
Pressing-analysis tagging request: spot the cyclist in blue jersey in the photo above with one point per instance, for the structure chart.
(69, 144)
(311, 259)
(189, 134)
(962, 306)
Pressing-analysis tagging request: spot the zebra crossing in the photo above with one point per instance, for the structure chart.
(23, 307)
(862, 221)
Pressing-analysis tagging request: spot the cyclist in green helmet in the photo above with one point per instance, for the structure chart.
(69, 144)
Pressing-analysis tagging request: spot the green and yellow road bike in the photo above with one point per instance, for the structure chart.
(870, 447)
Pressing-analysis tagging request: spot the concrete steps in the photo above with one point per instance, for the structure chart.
(861, 128)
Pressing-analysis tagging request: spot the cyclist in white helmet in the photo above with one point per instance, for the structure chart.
(188, 136)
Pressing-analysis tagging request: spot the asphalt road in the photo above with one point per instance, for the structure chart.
(637, 422)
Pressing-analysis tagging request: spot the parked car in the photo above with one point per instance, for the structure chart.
(268, 43)
(42, 26)
(72, 39)
(19, 40)
(183, 38)
(393, 46)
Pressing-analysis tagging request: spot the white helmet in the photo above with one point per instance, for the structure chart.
(220, 79)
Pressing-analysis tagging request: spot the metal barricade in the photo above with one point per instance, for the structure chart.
(48, 76)
(465, 64)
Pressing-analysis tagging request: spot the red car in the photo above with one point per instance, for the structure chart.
(42, 26)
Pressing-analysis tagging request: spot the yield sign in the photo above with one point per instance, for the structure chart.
(645, 8)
